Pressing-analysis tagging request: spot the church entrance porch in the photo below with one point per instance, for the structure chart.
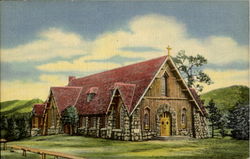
(165, 121)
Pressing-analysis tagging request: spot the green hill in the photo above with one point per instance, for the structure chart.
(226, 98)
(18, 106)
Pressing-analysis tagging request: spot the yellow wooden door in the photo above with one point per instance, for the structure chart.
(165, 125)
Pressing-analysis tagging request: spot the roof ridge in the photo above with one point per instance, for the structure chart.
(122, 83)
(67, 87)
(119, 68)
(78, 97)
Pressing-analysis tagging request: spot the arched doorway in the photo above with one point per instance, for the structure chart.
(166, 121)
(165, 124)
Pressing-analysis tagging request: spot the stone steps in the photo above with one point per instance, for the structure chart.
(165, 138)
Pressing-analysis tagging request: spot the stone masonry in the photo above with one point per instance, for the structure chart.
(200, 125)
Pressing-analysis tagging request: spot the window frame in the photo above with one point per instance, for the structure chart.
(164, 85)
(146, 121)
(90, 97)
(118, 117)
(184, 117)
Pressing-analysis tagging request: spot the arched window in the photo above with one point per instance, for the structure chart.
(184, 117)
(146, 119)
(102, 122)
(83, 122)
(164, 85)
(117, 116)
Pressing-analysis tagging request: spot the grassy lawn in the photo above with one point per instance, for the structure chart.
(100, 148)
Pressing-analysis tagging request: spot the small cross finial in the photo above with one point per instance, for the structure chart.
(168, 48)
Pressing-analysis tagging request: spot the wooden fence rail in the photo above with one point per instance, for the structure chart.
(43, 153)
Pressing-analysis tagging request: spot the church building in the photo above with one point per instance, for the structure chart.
(134, 102)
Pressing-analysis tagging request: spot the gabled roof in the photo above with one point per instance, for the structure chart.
(198, 100)
(171, 62)
(139, 75)
(38, 109)
(65, 96)
(127, 93)
(131, 81)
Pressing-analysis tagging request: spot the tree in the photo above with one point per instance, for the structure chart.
(239, 121)
(70, 117)
(214, 116)
(13, 131)
(191, 69)
(23, 124)
(4, 126)
(222, 125)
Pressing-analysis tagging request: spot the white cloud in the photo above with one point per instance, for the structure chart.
(154, 31)
(77, 65)
(51, 43)
(54, 79)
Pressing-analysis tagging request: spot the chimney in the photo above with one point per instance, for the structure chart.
(72, 78)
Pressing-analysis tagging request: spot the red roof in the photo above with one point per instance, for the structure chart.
(92, 90)
(65, 96)
(38, 109)
(127, 92)
(131, 81)
(198, 100)
(135, 79)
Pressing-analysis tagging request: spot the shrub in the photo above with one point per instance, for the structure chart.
(16, 126)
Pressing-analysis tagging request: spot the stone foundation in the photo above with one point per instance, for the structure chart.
(185, 132)
(131, 130)
(82, 131)
(92, 132)
(35, 132)
(130, 127)
(148, 134)
(53, 131)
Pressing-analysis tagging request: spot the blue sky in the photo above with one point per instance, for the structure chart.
(22, 20)
(39, 37)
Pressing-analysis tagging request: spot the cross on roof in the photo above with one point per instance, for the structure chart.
(168, 48)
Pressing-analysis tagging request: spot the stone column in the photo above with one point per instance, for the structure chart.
(110, 123)
(98, 127)
(136, 126)
(126, 128)
(87, 126)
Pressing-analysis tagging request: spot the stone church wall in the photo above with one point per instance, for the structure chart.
(136, 125)
(110, 132)
(56, 128)
(200, 126)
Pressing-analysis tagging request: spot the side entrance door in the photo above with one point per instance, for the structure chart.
(165, 125)
(66, 129)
